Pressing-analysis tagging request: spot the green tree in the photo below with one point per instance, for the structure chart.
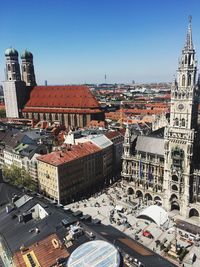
(18, 176)
(2, 113)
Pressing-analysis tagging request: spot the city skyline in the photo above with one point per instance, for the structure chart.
(76, 42)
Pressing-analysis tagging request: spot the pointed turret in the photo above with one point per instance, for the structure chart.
(127, 141)
(189, 43)
(184, 96)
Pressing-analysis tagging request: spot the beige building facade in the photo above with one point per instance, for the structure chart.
(71, 173)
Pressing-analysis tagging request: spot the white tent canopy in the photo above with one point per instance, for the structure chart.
(154, 213)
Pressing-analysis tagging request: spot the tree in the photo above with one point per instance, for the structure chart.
(18, 176)
(2, 113)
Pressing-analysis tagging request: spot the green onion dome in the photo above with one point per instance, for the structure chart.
(26, 54)
(11, 52)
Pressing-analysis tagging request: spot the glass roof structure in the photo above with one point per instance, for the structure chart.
(96, 253)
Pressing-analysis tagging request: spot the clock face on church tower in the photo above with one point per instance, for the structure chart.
(181, 106)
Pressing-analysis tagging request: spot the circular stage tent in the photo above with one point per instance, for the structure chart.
(154, 213)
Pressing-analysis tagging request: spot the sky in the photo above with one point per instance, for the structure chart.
(79, 41)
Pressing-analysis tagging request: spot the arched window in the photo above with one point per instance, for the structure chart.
(183, 122)
(193, 212)
(9, 67)
(176, 121)
(84, 120)
(130, 191)
(183, 80)
(174, 187)
(189, 79)
(75, 120)
(185, 59)
(175, 178)
(189, 61)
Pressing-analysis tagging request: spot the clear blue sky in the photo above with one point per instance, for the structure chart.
(77, 41)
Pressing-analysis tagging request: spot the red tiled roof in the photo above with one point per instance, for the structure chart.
(157, 105)
(146, 111)
(112, 134)
(69, 153)
(95, 123)
(44, 251)
(122, 131)
(62, 97)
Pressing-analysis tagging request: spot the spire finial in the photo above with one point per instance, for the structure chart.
(189, 43)
(190, 19)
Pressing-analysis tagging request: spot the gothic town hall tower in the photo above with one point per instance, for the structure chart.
(181, 135)
(164, 166)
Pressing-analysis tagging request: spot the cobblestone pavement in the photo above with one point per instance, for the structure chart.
(104, 206)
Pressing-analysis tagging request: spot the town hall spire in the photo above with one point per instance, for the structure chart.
(189, 43)
(180, 135)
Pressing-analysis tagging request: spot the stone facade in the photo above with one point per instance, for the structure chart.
(70, 119)
(167, 170)
(159, 121)
(143, 167)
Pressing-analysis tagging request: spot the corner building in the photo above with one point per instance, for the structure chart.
(164, 166)
(72, 173)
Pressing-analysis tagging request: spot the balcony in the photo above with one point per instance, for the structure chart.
(124, 174)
